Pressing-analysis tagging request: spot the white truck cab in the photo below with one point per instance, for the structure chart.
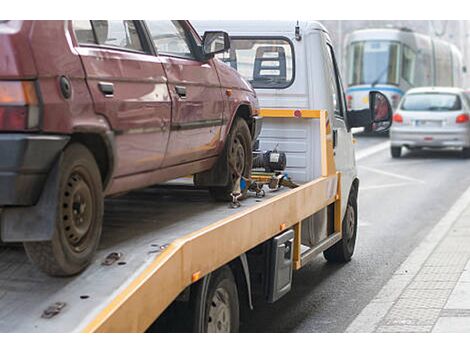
(293, 68)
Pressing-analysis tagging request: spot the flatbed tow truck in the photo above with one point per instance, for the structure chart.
(160, 241)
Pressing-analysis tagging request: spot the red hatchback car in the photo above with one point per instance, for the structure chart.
(90, 109)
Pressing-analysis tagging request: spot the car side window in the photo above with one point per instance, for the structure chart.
(335, 83)
(170, 38)
(121, 34)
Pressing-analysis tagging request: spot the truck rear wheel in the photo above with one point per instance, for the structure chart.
(79, 220)
(342, 251)
(221, 311)
(236, 158)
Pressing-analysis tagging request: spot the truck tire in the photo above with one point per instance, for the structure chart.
(236, 157)
(79, 220)
(395, 152)
(221, 304)
(342, 251)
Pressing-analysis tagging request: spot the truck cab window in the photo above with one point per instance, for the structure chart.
(335, 81)
(266, 62)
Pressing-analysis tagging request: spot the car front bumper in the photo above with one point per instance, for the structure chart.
(25, 161)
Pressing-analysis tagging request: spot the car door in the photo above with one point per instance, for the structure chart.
(128, 86)
(342, 137)
(198, 103)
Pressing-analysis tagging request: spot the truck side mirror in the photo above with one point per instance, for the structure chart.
(214, 42)
(378, 115)
(381, 111)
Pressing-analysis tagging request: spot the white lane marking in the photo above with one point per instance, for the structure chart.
(389, 185)
(373, 313)
(361, 154)
(391, 174)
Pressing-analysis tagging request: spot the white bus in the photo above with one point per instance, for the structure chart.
(395, 60)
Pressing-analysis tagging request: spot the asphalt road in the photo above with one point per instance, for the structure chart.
(400, 200)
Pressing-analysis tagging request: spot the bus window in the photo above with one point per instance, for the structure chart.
(373, 62)
(408, 65)
(424, 67)
(443, 64)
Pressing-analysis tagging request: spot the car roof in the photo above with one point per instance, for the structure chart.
(453, 90)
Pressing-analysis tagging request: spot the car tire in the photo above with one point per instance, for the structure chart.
(395, 152)
(465, 152)
(80, 216)
(237, 158)
(342, 251)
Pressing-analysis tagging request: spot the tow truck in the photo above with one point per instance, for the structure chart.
(169, 254)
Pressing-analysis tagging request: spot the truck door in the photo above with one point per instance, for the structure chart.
(342, 138)
(128, 87)
(198, 103)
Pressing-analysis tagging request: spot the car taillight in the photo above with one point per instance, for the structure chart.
(19, 108)
(397, 118)
(349, 99)
(464, 118)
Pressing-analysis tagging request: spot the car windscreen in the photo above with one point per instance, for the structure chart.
(373, 62)
(266, 62)
(432, 102)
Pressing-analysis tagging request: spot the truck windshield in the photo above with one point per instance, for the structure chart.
(264, 62)
(432, 102)
(373, 62)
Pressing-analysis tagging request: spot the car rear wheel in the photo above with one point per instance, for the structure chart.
(395, 151)
(79, 220)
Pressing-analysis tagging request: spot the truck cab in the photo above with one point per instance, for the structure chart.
(293, 68)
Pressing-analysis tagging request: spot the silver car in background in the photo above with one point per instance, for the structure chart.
(432, 117)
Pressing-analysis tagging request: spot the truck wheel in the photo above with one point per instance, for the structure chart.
(221, 306)
(342, 251)
(80, 217)
(237, 158)
(395, 151)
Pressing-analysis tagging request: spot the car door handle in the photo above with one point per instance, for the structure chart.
(106, 88)
(181, 91)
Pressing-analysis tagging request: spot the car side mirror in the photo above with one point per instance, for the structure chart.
(214, 42)
(378, 116)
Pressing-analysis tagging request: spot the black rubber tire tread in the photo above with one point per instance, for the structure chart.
(224, 277)
(54, 257)
(340, 252)
(465, 153)
(395, 152)
(240, 127)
